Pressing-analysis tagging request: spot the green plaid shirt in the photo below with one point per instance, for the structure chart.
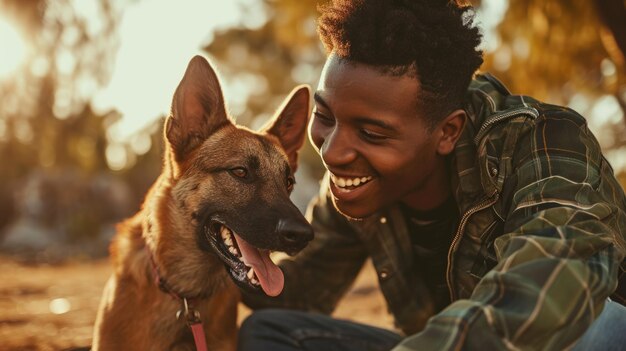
(536, 253)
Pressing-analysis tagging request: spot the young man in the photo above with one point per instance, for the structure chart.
(492, 219)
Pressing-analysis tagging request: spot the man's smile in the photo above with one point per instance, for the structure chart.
(349, 189)
(349, 183)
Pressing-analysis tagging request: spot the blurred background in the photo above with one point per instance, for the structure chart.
(85, 86)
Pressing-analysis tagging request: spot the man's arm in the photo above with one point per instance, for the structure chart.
(318, 276)
(558, 258)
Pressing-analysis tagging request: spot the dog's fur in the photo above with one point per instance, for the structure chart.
(197, 184)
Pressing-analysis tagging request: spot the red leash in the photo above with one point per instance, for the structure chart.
(191, 316)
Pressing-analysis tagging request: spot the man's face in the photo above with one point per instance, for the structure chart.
(372, 140)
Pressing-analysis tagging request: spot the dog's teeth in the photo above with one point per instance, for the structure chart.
(252, 277)
(228, 241)
(225, 233)
(233, 251)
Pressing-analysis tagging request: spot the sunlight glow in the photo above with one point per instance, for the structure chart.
(60, 306)
(489, 15)
(604, 113)
(12, 48)
(117, 157)
(158, 38)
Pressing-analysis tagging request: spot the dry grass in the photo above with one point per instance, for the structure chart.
(27, 292)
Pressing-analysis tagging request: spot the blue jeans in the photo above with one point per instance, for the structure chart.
(287, 330)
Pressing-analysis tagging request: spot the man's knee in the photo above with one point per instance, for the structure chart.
(607, 331)
(272, 323)
(266, 319)
(267, 329)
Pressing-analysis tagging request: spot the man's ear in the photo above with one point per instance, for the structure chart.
(197, 108)
(290, 123)
(450, 130)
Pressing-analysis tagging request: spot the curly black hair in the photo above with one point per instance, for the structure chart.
(433, 40)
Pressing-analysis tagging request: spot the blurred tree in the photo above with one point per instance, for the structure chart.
(613, 15)
(562, 52)
(48, 130)
(46, 112)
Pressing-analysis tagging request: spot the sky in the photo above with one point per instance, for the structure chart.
(12, 48)
(158, 38)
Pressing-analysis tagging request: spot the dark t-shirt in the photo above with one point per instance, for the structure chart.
(431, 234)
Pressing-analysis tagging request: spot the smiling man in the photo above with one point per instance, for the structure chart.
(493, 220)
(376, 147)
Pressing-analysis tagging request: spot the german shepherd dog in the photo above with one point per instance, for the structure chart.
(219, 207)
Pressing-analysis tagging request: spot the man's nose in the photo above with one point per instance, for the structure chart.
(337, 149)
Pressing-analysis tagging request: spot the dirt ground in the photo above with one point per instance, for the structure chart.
(53, 307)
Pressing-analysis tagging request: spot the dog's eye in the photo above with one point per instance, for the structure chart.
(290, 183)
(239, 172)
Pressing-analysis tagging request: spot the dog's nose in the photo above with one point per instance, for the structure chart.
(293, 232)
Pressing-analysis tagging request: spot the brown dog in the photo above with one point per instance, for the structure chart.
(218, 208)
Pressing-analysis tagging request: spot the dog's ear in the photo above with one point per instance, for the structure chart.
(197, 108)
(289, 124)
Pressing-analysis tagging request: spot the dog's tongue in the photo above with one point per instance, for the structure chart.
(270, 276)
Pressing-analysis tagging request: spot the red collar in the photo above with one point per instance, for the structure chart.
(190, 315)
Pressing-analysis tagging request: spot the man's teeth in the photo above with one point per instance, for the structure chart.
(345, 182)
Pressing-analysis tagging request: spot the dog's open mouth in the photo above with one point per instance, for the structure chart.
(249, 266)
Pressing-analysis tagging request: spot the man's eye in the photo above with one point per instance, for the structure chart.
(372, 136)
(323, 118)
